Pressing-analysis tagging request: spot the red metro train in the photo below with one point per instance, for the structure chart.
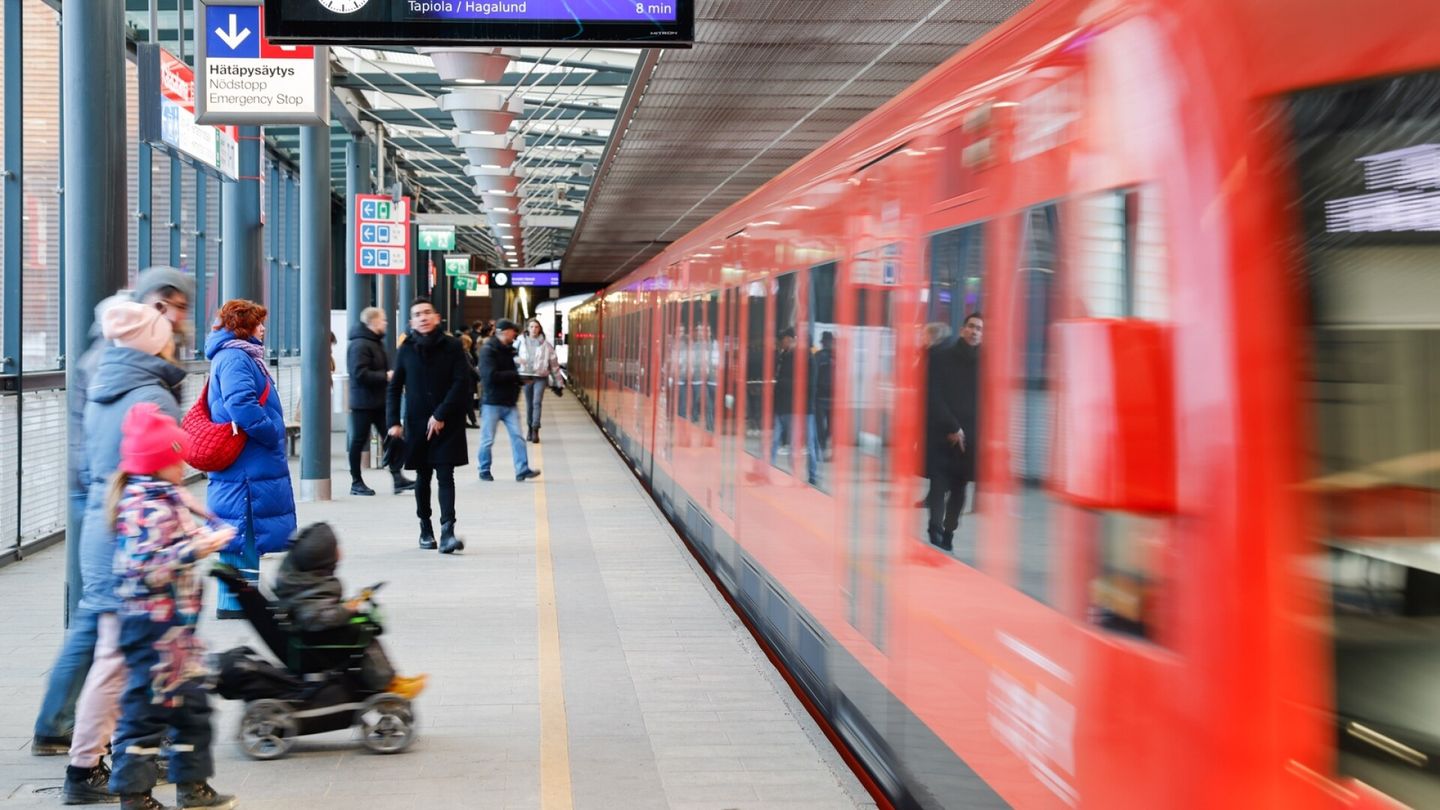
(1199, 565)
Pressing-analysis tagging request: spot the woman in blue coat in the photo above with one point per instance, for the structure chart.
(253, 494)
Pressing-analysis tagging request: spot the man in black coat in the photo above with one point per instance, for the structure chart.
(783, 402)
(951, 427)
(369, 370)
(433, 378)
(499, 391)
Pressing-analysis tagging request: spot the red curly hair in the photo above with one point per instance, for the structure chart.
(241, 317)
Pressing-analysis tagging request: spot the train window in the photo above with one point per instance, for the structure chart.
(754, 365)
(1120, 261)
(819, 336)
(1368, 159)
(782, 384)
(699, 353)
(682, 360)
(729, 374)
(956, 271)
(951, 358)
(1033, 402)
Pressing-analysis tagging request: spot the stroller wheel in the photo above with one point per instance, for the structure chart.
(387, 724)
(268, 730)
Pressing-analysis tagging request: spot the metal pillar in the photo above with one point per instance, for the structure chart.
(144, 221)
(240, 212)
(358, 288)
(93, 53)
(315, 306)
(177, 209)
(197, 307)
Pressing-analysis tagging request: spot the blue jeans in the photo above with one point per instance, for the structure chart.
(812, 450)
(144, 722)
(67, 677)
(781, 437)
(510, 415)
(534, 401)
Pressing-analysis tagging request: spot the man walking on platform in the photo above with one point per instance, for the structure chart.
(369, 370)
(500, 390)
(433, 379)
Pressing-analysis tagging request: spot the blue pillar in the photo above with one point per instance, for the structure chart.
(315, 309)
(177, 199)
(359, 289)
(202, 318)
(144, 222)
(242, 277)
(93, 53)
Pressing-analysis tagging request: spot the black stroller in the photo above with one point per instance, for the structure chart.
(317, 690)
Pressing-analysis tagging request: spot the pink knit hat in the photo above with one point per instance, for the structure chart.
(136, 326)
(150, 440)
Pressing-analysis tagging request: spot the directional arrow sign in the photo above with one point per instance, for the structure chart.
(233, 38)
(242, 79)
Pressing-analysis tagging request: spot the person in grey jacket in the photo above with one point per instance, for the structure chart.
(137, 367)
(538, 364)
(168, 291)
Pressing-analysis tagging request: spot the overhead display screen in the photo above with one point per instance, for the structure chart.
(641, 23)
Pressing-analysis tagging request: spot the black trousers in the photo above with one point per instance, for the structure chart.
(361, 423)
(945, 501)
(445, 476)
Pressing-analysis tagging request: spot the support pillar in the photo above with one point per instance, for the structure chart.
(358, 288)
(93, 54)
(240, 213)
(315, 313)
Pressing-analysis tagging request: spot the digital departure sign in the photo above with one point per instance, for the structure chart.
(642, 23)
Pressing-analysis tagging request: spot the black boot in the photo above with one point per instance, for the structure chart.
(535, 431)
(195, 795)
(358, 488)
(140, 801)
(402, 484)
(449, 543)
(427, 535)
(49, 746)
(88, 785)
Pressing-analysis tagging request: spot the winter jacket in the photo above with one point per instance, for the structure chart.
(157, 541)
(367, 364)
(254, 493)
(434, 378)
(499, 377)
(306, 588)
(784, 382)
(536, 357)
(125, 378)
(951, 403)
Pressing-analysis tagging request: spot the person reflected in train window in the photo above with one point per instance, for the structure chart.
(932, 334)
(784, 391)
(819, 398)
(951, 427)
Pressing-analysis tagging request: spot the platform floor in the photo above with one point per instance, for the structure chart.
(578, 656)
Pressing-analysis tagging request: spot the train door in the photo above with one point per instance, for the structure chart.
(729, 400)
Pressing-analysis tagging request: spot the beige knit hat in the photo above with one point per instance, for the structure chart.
(136, 326)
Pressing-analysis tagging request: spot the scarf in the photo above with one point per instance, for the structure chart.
(255, 350)
(429, 341)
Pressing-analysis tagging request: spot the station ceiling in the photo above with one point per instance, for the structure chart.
(609, 154)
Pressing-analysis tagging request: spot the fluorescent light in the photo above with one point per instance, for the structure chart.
(483, 132)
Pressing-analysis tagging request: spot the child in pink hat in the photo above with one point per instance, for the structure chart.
(158, 544)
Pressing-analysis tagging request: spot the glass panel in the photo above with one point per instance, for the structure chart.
(1033, 406)
(159, 207)
(710, 357)
(950, 408)
(132, 175)
(820, 390)
(41, 342)
(754, 365)
(1369, 169)
(782, 381)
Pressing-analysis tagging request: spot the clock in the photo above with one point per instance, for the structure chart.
(344, 6)
(501, 279)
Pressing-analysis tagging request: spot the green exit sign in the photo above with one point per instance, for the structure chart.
(457, 264)
(437, 237)
(467, 283)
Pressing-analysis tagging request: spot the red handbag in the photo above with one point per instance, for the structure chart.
(213, 446)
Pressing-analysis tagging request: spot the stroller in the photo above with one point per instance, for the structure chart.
(318, 689)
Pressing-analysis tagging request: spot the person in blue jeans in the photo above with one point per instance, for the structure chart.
(500, 391)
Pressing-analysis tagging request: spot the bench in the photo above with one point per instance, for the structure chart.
(292, 436)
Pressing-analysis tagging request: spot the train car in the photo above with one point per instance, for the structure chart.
(1175, 262)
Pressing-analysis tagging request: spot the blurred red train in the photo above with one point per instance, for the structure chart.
(1201, 565)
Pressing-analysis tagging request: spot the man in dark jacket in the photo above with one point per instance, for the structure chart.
(500, 390)
(369, 370)
(951, 427)
(784, 399)
(433, 378)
